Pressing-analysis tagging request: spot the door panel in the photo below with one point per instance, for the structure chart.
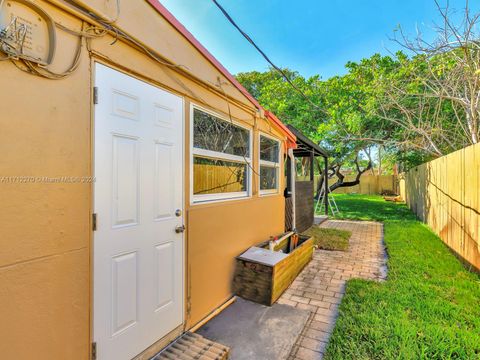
(138, 256)
(164, 188)
(124, 291)
(165, 265)
(125, 180)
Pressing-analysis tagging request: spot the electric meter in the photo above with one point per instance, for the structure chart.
(26, 32)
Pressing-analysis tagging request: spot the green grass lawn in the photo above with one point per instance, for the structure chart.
(329, 239)
(429, 307)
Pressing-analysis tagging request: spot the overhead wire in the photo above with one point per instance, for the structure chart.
(97, 32)
(90, 32)
(265, 56)
(93, 32)
(109, 26)
(248, 161)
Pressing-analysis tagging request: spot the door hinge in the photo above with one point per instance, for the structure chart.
(95, 95)
(94, 222)
(94, 351)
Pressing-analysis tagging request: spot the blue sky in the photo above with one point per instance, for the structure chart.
(310, 36)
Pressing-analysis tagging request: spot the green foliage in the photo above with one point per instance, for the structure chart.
(426, 309)
(346, 101)
(392, 101)
(273, 92)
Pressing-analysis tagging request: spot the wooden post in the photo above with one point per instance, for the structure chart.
(293, 180)
(325, 198)
(312, 170)
(289, 177)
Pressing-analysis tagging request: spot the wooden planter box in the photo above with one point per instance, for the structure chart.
(262, 275)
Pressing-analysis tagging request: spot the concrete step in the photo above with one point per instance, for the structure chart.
(192, 346)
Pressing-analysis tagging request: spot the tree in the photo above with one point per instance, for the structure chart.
(272, 91)
(437, 96)
(413, 107)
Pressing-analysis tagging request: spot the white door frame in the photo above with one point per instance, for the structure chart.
(184, 274)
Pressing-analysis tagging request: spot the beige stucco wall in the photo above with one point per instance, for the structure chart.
(218, 232)
(45, 236)
(44, 227)
(216, 235)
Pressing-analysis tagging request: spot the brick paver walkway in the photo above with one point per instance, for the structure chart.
(321, 285)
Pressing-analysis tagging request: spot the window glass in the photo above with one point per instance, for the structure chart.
(269, 149)
(269, 164)
(215, 176)
(268, 178)
(214, 134)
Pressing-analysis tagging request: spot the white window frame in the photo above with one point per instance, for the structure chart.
(271, 164)
(206, 198)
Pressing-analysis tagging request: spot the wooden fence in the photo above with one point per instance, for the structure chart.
(211, 179)
(369, 184)
(304, 205)
(445, 194)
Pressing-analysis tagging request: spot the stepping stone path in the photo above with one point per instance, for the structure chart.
(320, 286)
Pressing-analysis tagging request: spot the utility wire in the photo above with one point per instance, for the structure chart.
(250, 40)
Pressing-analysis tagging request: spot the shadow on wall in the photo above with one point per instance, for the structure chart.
(445, 194)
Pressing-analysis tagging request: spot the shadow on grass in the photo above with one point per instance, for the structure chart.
(370, 207)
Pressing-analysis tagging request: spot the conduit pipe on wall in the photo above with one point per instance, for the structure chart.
(140, 45)
(104, 17)
(75, 11)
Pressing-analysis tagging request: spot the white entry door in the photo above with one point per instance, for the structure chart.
(138, 255)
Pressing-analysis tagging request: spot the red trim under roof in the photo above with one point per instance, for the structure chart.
(291, 138)
(162, 10)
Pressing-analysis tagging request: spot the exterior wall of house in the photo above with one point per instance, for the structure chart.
(217, 232)
(45, 227)
(46, 131)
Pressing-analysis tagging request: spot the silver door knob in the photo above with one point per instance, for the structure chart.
(179, 229)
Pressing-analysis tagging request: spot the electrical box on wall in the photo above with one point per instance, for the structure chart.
(26, 32)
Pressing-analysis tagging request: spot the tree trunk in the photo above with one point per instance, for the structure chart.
(342, 183)
(380, 160)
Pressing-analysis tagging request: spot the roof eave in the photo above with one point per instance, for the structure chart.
(307, 142)
(291, 138)
(162, 10)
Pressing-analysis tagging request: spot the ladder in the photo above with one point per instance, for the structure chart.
(332, 204)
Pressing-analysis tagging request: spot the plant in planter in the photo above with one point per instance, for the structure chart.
(262, 275)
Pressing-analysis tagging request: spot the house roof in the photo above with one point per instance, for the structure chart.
(305, 146)
(290, 135)
(162, 10)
